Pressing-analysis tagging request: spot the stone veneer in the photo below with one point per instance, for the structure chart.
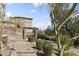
(27, 31)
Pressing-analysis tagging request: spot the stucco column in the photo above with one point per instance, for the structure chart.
(35, 33)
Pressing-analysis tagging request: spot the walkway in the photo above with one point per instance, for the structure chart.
(20, 46)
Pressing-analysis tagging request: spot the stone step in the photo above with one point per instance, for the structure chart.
(26, 54)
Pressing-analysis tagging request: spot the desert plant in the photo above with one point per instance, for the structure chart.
(48, 31)
(64, 17)
(65, 40)
(39, 44)
(30, 39)
(47, 49)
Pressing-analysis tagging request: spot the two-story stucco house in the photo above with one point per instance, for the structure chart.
(21, 23)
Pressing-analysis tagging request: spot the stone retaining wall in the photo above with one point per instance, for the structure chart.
(27, 32)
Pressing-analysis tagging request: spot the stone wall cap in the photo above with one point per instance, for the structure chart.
(22, 17)
(31, 28)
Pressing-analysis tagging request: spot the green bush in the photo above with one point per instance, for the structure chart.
(39, 44)
(34, 39)
(47, 49)
(71, 44)
(66, 40)
(31, 39)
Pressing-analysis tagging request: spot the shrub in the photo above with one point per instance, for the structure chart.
(31, 39)
(71, 44)
(47, 49)
(39, 44)
(66, 40)
(34, 39)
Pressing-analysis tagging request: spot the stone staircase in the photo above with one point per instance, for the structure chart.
(18, 46)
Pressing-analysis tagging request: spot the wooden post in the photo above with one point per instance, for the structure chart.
(23, 32)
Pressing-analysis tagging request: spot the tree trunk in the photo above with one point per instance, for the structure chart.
(59, 44)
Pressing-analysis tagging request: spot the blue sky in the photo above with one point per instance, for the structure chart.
(40, 14)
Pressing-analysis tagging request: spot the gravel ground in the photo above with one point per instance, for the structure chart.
(20, 46)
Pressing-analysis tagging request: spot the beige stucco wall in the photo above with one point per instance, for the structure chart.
(22, 22)
(8, 25)
(27, 23)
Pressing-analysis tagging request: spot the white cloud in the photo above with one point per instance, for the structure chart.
(8, 14)
(37, 4)
(9, 4)
(33, 11)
